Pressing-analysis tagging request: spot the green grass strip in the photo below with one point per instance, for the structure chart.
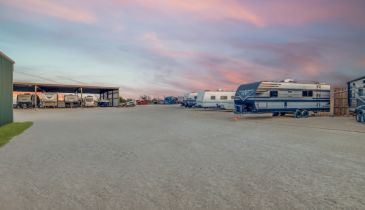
(8, 131)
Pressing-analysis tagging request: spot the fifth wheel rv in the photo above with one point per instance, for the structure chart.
(284, 97)
(27, 101)
(49, 100)
(356, 95)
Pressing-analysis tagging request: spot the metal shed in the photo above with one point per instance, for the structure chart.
(6, 89)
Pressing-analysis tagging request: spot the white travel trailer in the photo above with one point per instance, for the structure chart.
(49, 100)
(284, 97)
(215, 99)
(72, 101)
(89, 101)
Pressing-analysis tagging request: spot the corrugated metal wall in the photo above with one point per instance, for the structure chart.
(6, 91)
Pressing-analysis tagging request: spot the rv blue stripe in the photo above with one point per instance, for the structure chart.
(284, 100)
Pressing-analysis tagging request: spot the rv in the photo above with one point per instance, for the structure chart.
(180, 99)
(89, 101)
(27, 101)
(215, 99)
(189, 100)
(72, 101)
(284, 97)
(49, 100)
(356, 93)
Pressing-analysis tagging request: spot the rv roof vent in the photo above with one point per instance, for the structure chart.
(288, 80)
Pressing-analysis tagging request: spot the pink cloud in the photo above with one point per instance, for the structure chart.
(288, 12)
(262, 13)
(159, 47)
(54, 9)
(207, 9)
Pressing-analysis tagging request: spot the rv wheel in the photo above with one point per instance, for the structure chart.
(282, 113)
(359, 115)
(362, 119)
(275, 114)
(298, 114)
(305, 114)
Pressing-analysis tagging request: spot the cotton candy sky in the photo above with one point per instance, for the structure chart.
(168, 47)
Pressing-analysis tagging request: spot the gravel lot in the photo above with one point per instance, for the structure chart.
(165, 157)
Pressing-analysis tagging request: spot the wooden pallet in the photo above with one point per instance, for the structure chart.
(339, 102)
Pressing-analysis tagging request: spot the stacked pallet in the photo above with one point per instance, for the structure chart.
(339, 102)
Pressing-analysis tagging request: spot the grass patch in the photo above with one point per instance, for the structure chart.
(7, 132)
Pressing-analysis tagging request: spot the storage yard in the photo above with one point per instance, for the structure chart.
(167, 157)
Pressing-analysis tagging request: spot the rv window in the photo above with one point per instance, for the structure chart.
(232, 97)
(224, 97)
(307, 93)
(361, 92)
(212, 97)
(274, 93)
(195, 97)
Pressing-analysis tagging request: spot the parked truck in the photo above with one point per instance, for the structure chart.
(27, 101)
(49, 100)
(356, 95)
(72, 101)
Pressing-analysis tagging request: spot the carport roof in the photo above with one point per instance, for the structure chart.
(61, 88)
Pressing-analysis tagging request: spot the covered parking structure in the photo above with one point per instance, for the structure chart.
(104, 92)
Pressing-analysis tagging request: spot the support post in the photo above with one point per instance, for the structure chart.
(35, 97)
(81, 97)
(112, 98)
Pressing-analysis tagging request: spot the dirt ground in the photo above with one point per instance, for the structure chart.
(166, 157)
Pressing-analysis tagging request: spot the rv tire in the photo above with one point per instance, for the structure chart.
(275, 114)
(282, 113)
(359, 115)
(298, 114)
(305, 114)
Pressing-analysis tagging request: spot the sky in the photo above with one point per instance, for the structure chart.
(169, 47)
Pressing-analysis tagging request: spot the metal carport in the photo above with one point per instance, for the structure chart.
(105, 92)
